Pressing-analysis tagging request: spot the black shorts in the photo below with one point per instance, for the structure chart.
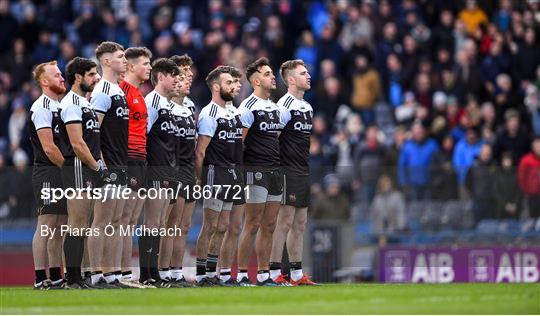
(136, 174)
(296, 190)
(118, 175)
(224, 179)
(165, 185)
(76, 175)
(48, 178)
(269, 178)
(186, 182)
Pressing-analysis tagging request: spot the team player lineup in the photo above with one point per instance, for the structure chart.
(247, 163)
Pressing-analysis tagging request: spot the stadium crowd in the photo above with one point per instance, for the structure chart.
(414, 100)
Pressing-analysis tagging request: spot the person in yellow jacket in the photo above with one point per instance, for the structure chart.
(366, 87)
(473, 16)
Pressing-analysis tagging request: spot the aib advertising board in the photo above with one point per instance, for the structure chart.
(449, 264)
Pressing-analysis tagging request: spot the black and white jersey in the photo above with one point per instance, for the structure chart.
(109, 100)
(239, 149)
(218, 122)
(161, 130)
(190, 104)
(261, 117)
(44, 114)
(297, 119)
(75, 109)
(184, 118)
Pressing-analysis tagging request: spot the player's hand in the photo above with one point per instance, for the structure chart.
(103, 173)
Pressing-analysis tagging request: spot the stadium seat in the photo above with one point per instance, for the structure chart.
(488, 226)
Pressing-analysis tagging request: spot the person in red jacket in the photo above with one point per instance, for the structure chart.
(529, 178)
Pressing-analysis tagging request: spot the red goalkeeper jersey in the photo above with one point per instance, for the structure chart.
(137, 121)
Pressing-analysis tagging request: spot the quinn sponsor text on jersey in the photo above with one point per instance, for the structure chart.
(109, 100)
(137, 121)
(297, 119)
(184, 118)
(261, 117)
(161, 129)
(76, 109)
(44, 114)
(218, 123)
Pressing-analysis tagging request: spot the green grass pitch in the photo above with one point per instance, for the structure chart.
(326, 299)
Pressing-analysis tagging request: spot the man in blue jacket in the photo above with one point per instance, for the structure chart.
(466, 152)
(414, 163)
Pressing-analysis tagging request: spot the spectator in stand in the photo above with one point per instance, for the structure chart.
(488, 122)
(442, 33)
(366, 87)
(444, 179)
(406, 112)
(458, 132)
(480, 184)
(328, 102)
(411, 60)
(466, 152)
(332, 203)
(9, 27)
(319, 164)
(423, 91)
(388, 208)
(532, 101)
(508, 98)
(468, 74)
(18, 64)
(386, 46)
(20, 204)
(529, 178)
(512, 138)
(393, 152)
(356, 26)
(508, 194)
(368, 160)
(392, 81)
(415, 161)
(527, 57)
(17, 123)
(472, 16)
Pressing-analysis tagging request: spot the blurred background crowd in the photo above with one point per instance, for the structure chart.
(426, 111)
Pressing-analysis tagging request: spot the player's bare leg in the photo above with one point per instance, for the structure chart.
(283, 226)
(254, 213)
(263, 242)
(179, 242)
(230, 242)
(215, 243)
(209, 226)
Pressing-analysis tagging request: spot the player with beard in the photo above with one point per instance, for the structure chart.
(181, 209)
(215, 164)
(296, 117)
(161, 157)
(82, 165)
(260, 118)
(223, 225)
(138, 71)
(110, 104)
(45, 139)
(224, 241)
